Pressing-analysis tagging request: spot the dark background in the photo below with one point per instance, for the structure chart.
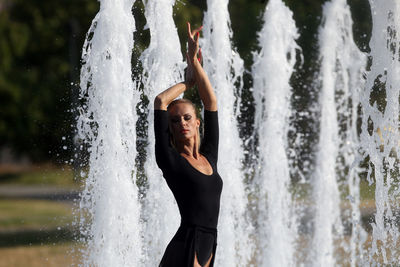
(40, 49)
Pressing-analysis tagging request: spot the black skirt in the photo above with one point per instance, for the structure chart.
(188, 240)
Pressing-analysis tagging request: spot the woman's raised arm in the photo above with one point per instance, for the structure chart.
(163, 99)
(206, 91)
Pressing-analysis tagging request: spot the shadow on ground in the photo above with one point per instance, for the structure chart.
(33, 237)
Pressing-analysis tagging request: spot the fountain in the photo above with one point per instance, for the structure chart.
(273, 66)
(107, 124)
(380, 130)
(342, 65)
(261, 220)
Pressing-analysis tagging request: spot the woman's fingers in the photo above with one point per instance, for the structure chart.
(200, 58)
(189, 30)
(197, 31)
(194, 33)
(193, 41)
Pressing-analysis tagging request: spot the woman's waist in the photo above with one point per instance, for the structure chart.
(187, 229)
(190, 225)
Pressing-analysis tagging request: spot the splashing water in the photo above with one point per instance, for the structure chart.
(380, 130)
(138, 233)
(273, 66)
(162, 67)
(225, 67)
(107, 123)
(340, 75)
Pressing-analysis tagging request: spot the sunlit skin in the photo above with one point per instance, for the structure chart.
(184, 127)
(183, 123)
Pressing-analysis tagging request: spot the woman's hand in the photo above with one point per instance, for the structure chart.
(193, 43)
(206, 91)
(189, 75)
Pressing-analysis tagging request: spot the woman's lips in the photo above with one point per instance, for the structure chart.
(184, 131)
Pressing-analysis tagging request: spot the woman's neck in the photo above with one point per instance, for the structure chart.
(188, 148)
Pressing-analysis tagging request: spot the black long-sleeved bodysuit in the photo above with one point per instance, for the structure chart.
(197, 194)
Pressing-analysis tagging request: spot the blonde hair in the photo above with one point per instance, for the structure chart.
(184, 101)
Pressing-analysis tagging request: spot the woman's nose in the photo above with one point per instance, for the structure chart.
(182, 121)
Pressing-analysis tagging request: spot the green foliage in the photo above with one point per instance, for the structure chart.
(36, 71)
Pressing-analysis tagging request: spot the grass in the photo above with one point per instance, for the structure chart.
(40, 175)
(33, 214)
(39, 233)
(61, 254)
(35, 222)
(25, 221)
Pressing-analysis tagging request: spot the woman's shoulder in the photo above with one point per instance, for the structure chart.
(160, 111)
(160, 114)
(210, 113)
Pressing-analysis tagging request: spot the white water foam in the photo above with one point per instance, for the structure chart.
(341, 67)
(273, 66)
(380, 130)
(109, 205)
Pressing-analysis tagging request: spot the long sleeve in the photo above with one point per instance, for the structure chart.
(209, 145)
(166, 157)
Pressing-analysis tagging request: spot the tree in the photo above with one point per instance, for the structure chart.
(36, 72)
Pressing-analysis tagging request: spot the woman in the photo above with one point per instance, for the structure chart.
(190, 169)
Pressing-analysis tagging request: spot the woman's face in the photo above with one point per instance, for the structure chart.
(183, 122)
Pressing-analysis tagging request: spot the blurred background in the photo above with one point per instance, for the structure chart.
(41, 163)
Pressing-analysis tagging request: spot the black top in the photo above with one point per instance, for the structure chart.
(197, 194)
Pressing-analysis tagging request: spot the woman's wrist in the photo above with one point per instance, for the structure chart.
(188, 84)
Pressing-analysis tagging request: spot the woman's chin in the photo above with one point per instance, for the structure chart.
(185, 137)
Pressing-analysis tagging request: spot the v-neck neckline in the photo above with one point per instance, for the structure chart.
(212, 168)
